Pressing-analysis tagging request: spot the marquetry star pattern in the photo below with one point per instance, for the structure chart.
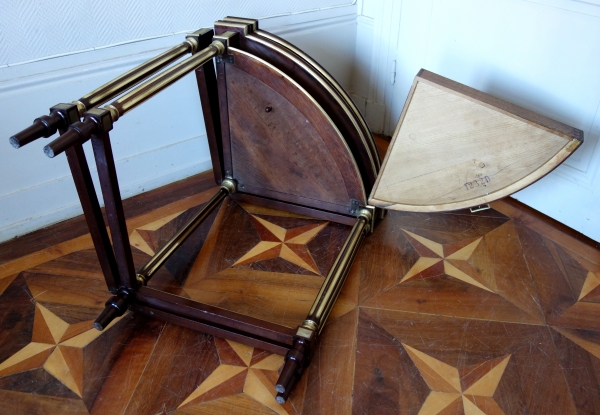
(470, 389)
(57, 346)
(591, 286)
(243, 370)
(450, 259)
(288, 244)
(144, 237)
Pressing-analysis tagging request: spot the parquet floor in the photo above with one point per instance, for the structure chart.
(495, 312)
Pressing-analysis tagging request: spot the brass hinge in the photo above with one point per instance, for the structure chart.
(480, 208)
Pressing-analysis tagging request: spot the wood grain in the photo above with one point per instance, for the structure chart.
(452, 150)
(329, 95)
(274, 273)
(275, 151)
(363, 348)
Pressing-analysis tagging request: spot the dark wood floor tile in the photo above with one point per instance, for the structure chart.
(579, 354)
(180, 264)
(444, 228)
(329, 387)
(99, 356)
(227, 355)
(60, 358)
(239, 404)
(18, 403)
(278, 264)
(233, 386)
(276, 297)
(477, 272)
(243, 370)
(555, 292)
(125, 373)
(348, 297)
(326, 245)
(149, 238)
(82, 264)
(565, 281)
(525, 373)
(72, 299)
(548, 227)
(5, 282)
(511, 275)
(163, 279)
(236, 269)
(224, 244)
(385, 381)
(181, 360)
(17, 311)
(486, 213)
(36, 382)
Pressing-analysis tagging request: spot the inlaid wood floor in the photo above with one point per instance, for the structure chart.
(494, 312)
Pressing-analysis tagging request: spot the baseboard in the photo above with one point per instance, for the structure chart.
(165, 161)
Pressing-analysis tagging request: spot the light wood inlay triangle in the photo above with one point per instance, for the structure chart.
(221, 374)
(458, 274)
(592, 281)
(471, 408)
(57, 326)
(421, 265)
(440, 376)
(243, 351)
(29, 357)
(434, 246)
(466, 252)
(437, 402)
(255, 388)
(487, 384)
(58, 367)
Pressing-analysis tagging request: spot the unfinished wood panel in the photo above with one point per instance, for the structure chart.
(456, 147)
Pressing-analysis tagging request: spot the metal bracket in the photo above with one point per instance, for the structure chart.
(373, 211)
(193, 38)
(480, 208)
(354, 206)
(225, 59)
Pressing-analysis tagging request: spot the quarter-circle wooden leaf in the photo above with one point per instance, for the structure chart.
(456, 147)
(283, 144)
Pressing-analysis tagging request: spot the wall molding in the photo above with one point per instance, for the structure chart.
(588, 7)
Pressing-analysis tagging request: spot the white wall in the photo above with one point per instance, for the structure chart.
(53, 52)
(543, 55)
